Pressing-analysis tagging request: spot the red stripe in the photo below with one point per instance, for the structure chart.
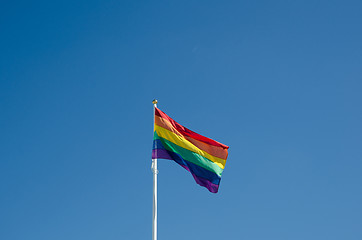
(188, 132)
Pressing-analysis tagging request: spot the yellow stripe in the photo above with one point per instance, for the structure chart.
(210, 149)
(183, 142)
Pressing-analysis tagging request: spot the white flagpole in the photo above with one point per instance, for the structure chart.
(155, 172)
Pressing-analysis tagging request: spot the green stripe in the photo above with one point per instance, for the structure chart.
(190, 156)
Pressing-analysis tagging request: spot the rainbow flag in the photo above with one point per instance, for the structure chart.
(203, 157)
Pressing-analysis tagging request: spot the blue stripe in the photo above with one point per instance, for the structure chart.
(193, 168)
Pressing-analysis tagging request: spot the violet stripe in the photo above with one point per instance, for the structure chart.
(205, 183)
(198, 171)
(161, 153)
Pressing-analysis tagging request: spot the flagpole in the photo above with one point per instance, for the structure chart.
(155, 172)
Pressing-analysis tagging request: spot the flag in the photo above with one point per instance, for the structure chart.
(203, 157)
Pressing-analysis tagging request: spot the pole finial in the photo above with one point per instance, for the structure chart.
(154, 101)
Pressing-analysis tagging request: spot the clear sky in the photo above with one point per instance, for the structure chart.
(280, 82)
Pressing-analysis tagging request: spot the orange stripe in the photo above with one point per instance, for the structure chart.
(210, 149)
(187, 132)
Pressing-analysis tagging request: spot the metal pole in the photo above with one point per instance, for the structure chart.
(155, 172)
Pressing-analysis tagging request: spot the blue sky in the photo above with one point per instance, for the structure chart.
(280, 82)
